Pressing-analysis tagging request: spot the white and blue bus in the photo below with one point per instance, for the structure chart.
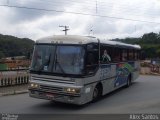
(79, 69)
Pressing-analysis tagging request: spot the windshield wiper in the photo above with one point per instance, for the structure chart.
(40, 69)
(57, 62)
(60, 67)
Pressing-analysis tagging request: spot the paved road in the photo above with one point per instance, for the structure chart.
(142, 97)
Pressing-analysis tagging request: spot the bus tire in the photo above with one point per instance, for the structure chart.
(128, 81)
(97, 92)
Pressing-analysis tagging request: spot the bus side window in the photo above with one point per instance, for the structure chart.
(138, 54)
(106, 54)
(92, 58)
(131, 54)
(117, 55)
(135, 55)
(124, 55)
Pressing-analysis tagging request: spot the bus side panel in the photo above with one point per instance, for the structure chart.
(135, 73)
(124, 69)
(112, 77)
(122, 72)
(107, 76)
(90, 83)
(88, 92)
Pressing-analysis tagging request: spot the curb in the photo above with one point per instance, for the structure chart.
(157, 74)
(13, 93)
(153, 74)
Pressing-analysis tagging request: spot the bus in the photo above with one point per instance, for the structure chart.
(79, 69)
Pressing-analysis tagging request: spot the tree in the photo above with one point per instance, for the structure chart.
(11, 46)
(149, 38)
(1, 54)
(158, 53)
(149, 42)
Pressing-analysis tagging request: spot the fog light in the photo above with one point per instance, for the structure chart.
(70, 99)
(32, 92)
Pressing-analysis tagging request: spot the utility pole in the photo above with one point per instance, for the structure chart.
(65, 29)
(7, 2)
(91, 30)
(96, 7)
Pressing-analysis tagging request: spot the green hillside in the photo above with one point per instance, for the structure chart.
(12, 46)
(149, 42)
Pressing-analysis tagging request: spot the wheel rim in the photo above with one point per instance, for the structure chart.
(95, 93)
(128, 82)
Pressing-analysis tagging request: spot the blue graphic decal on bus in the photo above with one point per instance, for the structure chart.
(122, 72)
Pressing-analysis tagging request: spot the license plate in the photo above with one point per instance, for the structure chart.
(50, 96)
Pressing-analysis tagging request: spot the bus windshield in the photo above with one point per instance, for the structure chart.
(64, 59)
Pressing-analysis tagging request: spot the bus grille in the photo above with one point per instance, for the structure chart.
(50, 89)
(52, 80)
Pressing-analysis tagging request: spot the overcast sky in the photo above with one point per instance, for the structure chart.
(35, 24)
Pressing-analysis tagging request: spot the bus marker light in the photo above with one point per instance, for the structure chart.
(87, 90)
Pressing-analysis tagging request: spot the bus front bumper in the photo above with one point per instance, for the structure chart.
(59, 97)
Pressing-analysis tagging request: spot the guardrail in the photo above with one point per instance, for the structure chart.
(16, 69)
(152, 69)
(155, 69)
(14, 77)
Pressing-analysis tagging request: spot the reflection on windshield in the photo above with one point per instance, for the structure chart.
(42, 58)
(58, 59)
(69, 59)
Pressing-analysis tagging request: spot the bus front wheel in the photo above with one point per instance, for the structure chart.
(97, 93)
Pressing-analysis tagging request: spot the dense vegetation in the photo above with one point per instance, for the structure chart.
(149, 42)
(11, 46)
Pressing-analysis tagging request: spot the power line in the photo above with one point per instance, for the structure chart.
(78, 13)
(71, 1)
(99, 3)
(129, 9)
(101, 8)
(90, 4)
(56, 4)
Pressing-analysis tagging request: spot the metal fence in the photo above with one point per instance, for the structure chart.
(155, 68)
(15, 77)
(152, 69)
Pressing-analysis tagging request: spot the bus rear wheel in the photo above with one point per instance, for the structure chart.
(128, 81)
(97, 93)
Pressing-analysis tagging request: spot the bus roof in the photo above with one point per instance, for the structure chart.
(76, 39)
(68, 39)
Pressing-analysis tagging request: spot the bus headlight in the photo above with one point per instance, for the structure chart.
(33, 85)
(72, 90)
